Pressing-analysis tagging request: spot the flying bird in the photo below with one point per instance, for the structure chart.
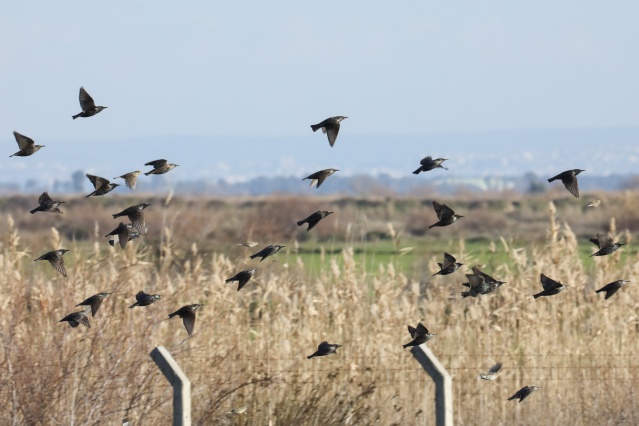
(612, 288)
(47, 204)
(324, 349)
(314, 219)
(160, 167)
(480, 283)
(102, 186)
(187, 313)
(569, 179)
(330, 126)
(445, 215)
(419, 335)
(136, 216)
(27, 146)
(242, 278)
(491, 374)
(88, 105)
(594, 203)
(248, 244)
(55, 259)
(523, 393)
(267, 251)
(606, 245)
(77, 318)
(320, 177)
(448, 266)
(145, 299)
(125, 233)
(551, 287)
(428, 164)
(93, 303)
(130, 179)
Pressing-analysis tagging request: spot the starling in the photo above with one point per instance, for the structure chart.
(248, 244)
(55, 259)
(102, 186)
(242, 278)
(449, 265)
(612, 288)
(136, 216)
(47, 204)
(77, 318)
(419, 335)
(320, 177)
(94, 302)
(325, 348)
(267, 251)
(238, 410)
(125, 234)
(594, 203)
(428, 164)
(445, 215)
(160, 167)
(477, 285)
(130, 179)
(492, 374)
(314, 219)
(523, 393)
(551, 287)
(26, 145)
(145, 299)
(569, 179)
(330, 126)
(606, 245)
(187, 313)
(88, 105)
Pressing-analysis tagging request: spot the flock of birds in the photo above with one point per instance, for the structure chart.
(479, 283)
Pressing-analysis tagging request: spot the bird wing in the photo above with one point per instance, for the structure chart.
(324, 347)
(58, 265)
(475, 280)
(320, 176)
(157, 163)
(438, 209)
(140, 296)
(137, 220)
(24, 142)
(604, 240)
(411, 331)
(549, 283)
(95, 304)
(445, 212)
(86, 101)
(485, 276)
(82, 319)
(571, 184)
(421, 330)
(97, 181)
(495, 368)
(595, 241)
(123, 234)
(130, 179)
(448, 260)
(45, 199)
(188, 318)
(331, 132)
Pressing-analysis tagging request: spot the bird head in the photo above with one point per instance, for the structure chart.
(100, 108)
(331, 171)
(196, 306)
(339, 118)
(113, 185)
(577, 171)
(143, 206)
(252, 271)
(62, 251)
(104, 294)
(458, 216)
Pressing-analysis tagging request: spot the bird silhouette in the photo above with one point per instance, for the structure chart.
(330, 126)
(569, 179)
(88, 105)
(324, 349)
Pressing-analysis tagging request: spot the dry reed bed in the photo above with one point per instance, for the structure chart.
(249, 347)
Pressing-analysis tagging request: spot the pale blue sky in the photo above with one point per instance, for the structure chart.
(270, 69)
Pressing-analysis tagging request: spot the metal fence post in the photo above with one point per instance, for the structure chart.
(443, 384)
(181, 385)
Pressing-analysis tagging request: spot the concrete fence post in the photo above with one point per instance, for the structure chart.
(181, 385)
(443, 384)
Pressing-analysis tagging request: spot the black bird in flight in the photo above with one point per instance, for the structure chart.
(47, 204)
(136, 216)
(606, 245)
(242, 278)
(267, 251)
(324, 349)
(125, 233)
(130, 179)
(88, 105)
(428, 164)
(320, 177)
(94, 302)
(523, 393)
(330, 126)
(27, 146)
(187, 313)
(612, 288)
(419, 334)
(448, 266)
(77, 318)
(102, 186)
(569, 179)
(314, 219)
(492, 374)
(145, 299)
(160, 167)
(445, 215)
(551, 287)
(55, 259)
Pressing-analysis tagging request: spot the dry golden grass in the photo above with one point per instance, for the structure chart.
(249, 348)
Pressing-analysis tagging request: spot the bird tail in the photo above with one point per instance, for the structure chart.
(512, 397)
(229, 280)
(538, 295)
(431, 226)
(465, 294)
(418, 171)
(599, 291)
(117, 215)
(300, 222)
(134, 305)
(550, 180)
(148, 173)
(76, 116)
(406, 345)
(37, 209)
(172, 315)
(315, 127)
(253, 256)
(310, 356)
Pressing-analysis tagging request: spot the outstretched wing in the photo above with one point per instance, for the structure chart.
(24, 142)
(86, 101)
(45, 199)
(549, 283)
(571, 184)
(157, 163)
